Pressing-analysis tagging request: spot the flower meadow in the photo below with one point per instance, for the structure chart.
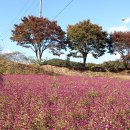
(43, 102)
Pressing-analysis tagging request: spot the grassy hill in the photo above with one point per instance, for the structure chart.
(68, 64)
(14, 67)
(112, 66)
(9, 67)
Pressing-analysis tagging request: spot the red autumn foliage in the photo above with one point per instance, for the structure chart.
(39, 34)
(121, 42)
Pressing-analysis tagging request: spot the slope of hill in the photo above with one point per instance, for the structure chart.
(8, 67)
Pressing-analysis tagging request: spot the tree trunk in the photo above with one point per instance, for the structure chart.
(84, 59)
(38, 56)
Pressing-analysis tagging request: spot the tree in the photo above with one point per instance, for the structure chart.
(86, 38)
(121, 44)
(39, 34)
(16, 56)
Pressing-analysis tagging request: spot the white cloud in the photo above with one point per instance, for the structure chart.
(126, 20)
(119, 28)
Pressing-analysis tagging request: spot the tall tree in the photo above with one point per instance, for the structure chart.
(121, 44)
(86, 38)
(39, 34)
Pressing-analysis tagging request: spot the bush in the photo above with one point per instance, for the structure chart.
(55, 62)
(90, 65)
(98, 68)
(65, 63)
(74, 65)
(114, 66)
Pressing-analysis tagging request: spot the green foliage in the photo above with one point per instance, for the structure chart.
(111, 66)
(65, 63)
(55, 62)
(90, 65)
(84, 38)
(98, 68)
(78, 66)
(114, 66)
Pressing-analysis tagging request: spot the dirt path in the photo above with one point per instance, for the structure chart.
(127, 77)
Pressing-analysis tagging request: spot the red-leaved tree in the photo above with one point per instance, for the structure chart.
(39, 34)
(121, 44)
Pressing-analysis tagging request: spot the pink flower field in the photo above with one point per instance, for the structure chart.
(42, 102)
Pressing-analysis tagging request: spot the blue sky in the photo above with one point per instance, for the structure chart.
(106, 13)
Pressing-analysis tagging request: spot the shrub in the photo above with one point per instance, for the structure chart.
(98, 68)
(113, 66)
(55, 62)
(65, 63)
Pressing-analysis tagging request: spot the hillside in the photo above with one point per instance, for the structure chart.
(55, 67)
(9, 67)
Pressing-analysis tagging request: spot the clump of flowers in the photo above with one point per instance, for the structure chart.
(42, 102)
